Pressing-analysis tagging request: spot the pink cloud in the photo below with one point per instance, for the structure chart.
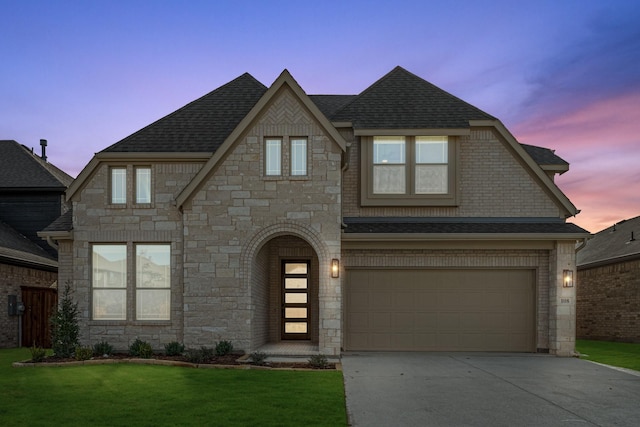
(602, 143)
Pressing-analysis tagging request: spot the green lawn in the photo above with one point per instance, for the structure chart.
(623, 355)
(141, 395)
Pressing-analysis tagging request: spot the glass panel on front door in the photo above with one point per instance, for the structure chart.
(295, 301)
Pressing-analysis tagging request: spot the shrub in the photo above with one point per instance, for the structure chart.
(223, 348)
(201, 355)
(258, 358)
(64, 325)
(102, 349)
(174, 348)
(83, 353)
(37, 354)
(319, 361)
(141, 349)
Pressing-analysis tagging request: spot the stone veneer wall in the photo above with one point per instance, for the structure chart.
(239, 209)
(97, 221)
(12, 277)
(562, 301)
(608, 302)
(491, 183)
(537, 260)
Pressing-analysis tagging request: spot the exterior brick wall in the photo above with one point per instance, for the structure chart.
(608, 302)
(491, 183)
(12, 277)
(467, 258)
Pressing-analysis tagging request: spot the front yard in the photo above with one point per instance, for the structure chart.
(124, 395)
(623, 355)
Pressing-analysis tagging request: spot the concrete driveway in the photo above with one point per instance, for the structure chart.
(486, 389)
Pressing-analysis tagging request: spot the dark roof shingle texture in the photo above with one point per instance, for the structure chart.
(423, 225)
(402, 100)
(543, 156)
(21, 169)
(200, 126)
(612, 243)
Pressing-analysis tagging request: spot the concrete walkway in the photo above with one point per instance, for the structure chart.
(486, 389)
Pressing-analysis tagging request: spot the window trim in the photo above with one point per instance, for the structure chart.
(266, 156)
(409, 198)
(137, 168)
(112, 185)
(306, 157)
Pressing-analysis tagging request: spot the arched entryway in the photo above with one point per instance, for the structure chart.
(285, 292)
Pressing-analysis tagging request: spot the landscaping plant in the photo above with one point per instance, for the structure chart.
(64, 325)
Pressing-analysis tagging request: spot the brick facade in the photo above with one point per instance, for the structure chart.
(12, 277)
(608, 299)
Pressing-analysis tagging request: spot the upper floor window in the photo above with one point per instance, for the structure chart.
(298, 156)
(408, 171)
(143, 184)
(273, 157)
(119, 185)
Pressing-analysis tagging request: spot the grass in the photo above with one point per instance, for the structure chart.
(124, 395)
(623, 355)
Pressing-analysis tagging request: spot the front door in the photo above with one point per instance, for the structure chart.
(295, 300)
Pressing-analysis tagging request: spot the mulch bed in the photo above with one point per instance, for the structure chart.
(229, 360)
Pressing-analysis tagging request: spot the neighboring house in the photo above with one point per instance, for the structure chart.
(401, 218)
(31, 197)
(608, 293)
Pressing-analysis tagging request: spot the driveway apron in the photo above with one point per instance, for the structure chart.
(486, 389)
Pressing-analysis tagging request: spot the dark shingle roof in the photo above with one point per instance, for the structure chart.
(62, 223)
(200, 126)
(612, 244)
(544, 156)
(330, 104)
(21, 169)
(451, 225)
(401, 99)
(16, 246)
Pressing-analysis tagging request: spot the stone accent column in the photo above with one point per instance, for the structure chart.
(562, 300)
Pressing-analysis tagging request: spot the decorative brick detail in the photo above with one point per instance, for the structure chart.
(608, 302)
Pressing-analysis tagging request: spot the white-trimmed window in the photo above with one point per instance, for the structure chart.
(118, 185)
(143, 184)
(408, 170)
(109, 282)
(273, 157)
(153, 281)
(298, 156)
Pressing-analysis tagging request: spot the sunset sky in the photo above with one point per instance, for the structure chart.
(561, 74)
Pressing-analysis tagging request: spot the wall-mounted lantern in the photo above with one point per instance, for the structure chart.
(335, 268)
(567, 279)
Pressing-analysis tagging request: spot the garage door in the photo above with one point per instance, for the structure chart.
(440, 310)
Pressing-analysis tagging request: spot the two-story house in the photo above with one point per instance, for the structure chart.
(32, 195)
(401, 218)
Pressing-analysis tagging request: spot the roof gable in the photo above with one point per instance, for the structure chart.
(21, 169)
(402, 100)
(285, 79)
(200, 126)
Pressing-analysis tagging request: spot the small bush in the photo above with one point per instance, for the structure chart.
(319, 361)
(141, 349)
(258, 358)
(223, 348)
(83, 353)
(37, 354)
(174, 348)
(201, 355)
(102, 349)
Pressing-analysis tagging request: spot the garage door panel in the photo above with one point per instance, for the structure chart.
(463, 310)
